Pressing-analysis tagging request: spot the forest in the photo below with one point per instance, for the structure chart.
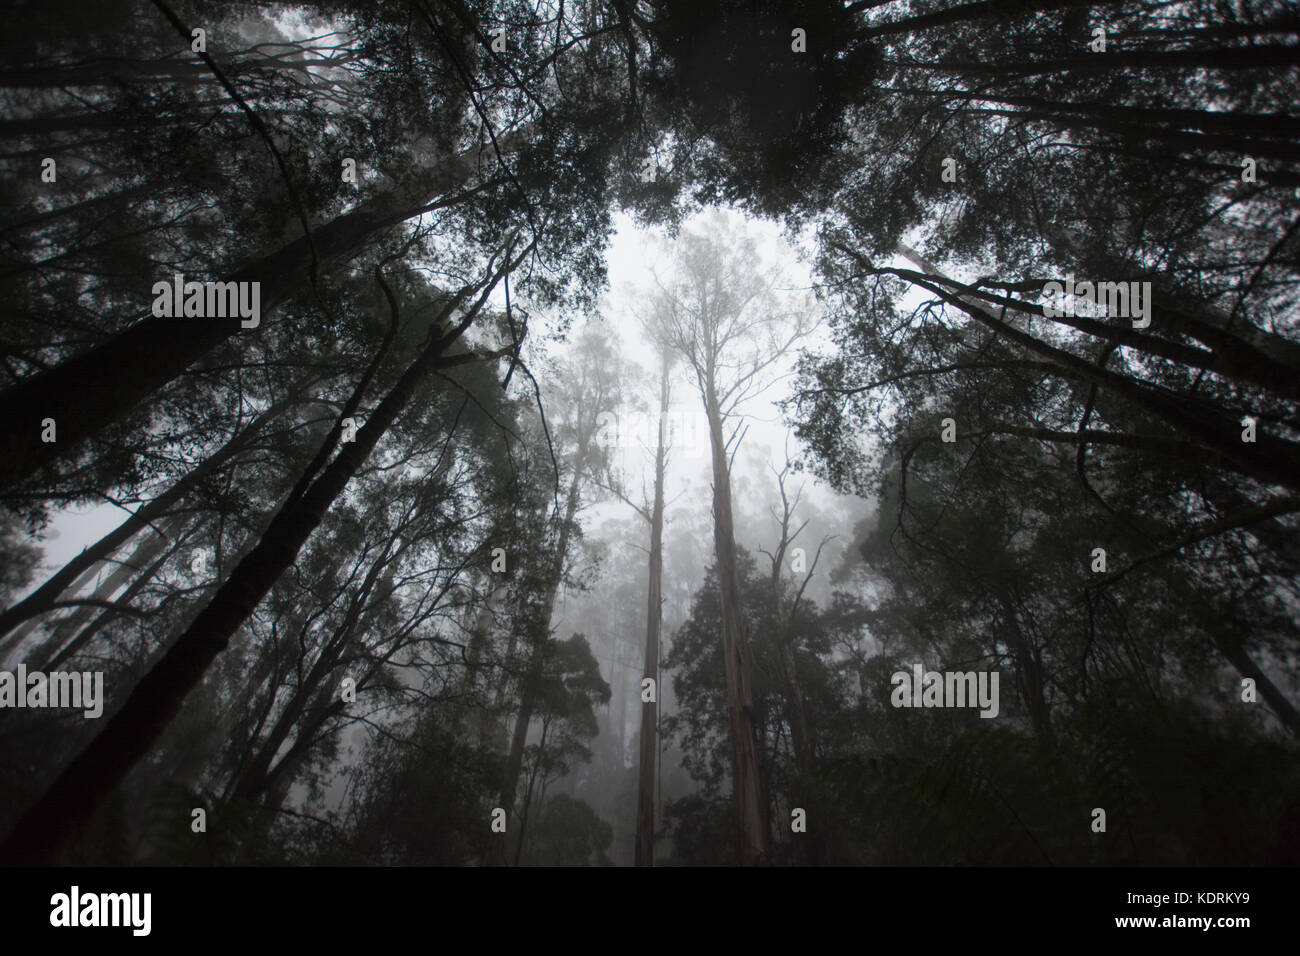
(650, 433)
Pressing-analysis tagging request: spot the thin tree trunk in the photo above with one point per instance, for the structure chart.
(56, 655)
(1210, 121)
(1275, 358)
(1231, 647)
(1226, 634)
(62, 580)
(145, 552)
(1269, 459)
(108, 72)
(1138, 130)
(40, 220)
(1226, 172)
(479, 641)
(319, 708)
(801, 740)
(975, 12)
(645, 804)
(1231, 356)
(526, 806)
(254, 777)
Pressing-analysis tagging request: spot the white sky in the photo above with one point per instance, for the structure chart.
(632, 253)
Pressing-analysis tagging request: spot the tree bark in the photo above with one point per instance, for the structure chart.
(645, 803)
(753, 845)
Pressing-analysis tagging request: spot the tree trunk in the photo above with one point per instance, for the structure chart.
(645, 804)
(1254, 57)
(1225, 631)
(254, 777)
(56, 655)
(41, 220)
(974, 12)
(1210, 121)
(1231, 647)
(470, 689)
(1266, 358)
(1139, 130)
(753, 841)
(145, 552)
(801, 741)
(121, 71)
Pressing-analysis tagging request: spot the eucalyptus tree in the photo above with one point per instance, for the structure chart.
(723, 317)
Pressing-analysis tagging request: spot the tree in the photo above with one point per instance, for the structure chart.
(68, 805)
(721, 317)
(569, 690)
(783, 617)
(590, 385)
(649, 750)
(571, 834)
(652, 512)
(131, 360)
(701, 723)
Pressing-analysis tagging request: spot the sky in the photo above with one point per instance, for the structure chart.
(633, 252)
(688, 490)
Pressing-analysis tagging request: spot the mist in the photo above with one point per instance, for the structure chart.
(655, 434)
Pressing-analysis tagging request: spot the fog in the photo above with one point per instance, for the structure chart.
(667, 433)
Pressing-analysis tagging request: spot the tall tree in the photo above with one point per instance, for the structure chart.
(589, 385)
(652, 512)
(721, 316)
